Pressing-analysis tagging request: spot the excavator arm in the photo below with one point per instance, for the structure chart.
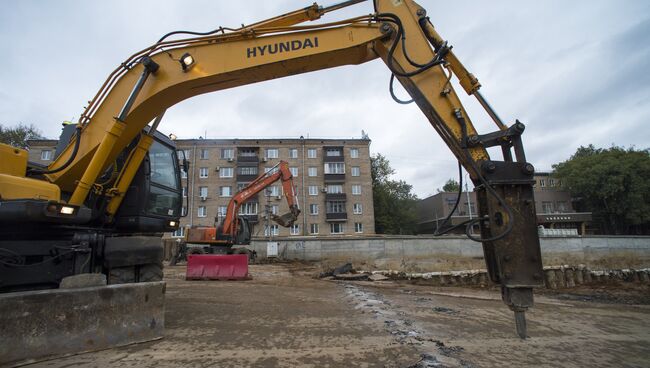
(399, 33)
(278, 172)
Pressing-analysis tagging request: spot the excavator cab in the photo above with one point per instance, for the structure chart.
(154, 199)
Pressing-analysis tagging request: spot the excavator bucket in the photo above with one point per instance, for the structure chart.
(217, 267)
(285, 220)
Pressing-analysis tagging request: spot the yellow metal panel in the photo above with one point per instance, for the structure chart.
(14, 187)
(13, 161)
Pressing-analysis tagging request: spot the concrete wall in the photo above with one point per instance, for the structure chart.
(445, 253)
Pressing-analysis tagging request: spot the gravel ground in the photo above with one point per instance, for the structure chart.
(284, 317)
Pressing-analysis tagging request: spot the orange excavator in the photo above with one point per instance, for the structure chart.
(234, 229)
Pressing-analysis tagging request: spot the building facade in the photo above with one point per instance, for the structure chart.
(332, 178)
(553, 205)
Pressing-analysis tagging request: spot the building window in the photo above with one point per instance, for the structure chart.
(203, 192)
(247, 170)
(312, 171)
(562, 207)
(547, 207)
(356, 189)
(336, 228)
(334, 188)
(333, 152)
(273, 191)
(202, 212)
(335, 168)
(203, 172)
(275, 230)
(248, 208)
(313, 190)
(225, 191)
(354, 153)
(311, 153)
(313, 209)
(221, 211)
(184, 191)
(294, 229)
(335, 206)
(293, 153)
(542, 183)
(179, 233)
(243, 152)
(313, 228)
(184, 211)
(184, 154)
(227, 153)
(271, 170)
(183, 174)
(46, 155)
(294, 171)
(551, 182)
(271, 153)
(241, 186)
(226, 172)
(205, 154)
(358, 227)
(356, 171)
(357, 209)
(274, 209)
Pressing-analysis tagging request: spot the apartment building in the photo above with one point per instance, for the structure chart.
(553, 205)
(332, 178)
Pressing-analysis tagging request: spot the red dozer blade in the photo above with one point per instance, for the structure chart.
(217, 267)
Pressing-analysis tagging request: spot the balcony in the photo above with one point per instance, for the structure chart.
(248, 159)
(333, 158)
(253, 219)
(333, 178)
(241, 178)
(336, 216)
(335, 197)
(333, 154)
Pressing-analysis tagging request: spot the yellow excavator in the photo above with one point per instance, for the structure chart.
(114, 186)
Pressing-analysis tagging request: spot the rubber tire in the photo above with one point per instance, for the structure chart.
(121, 275)
(127, 275)
(151, 272)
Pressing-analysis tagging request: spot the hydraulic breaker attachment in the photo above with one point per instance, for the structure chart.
(514, 261)
(217, 267)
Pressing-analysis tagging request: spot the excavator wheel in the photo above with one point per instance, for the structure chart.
(251, 254)
(194, 250)
(121, 275)
(145, 273)
(151, 272)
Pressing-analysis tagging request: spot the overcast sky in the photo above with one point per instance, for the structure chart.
(575, 72)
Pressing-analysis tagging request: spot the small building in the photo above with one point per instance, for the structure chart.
(553, 205)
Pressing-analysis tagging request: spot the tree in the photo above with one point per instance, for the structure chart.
(450, 186)
(19, 135)
(613, 184)
(395, 205)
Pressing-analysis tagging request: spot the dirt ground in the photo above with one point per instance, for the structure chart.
(284, 317)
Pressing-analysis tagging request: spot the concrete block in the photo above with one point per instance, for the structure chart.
(551, 280)
(47, 323)
(578, 277)
(559, 278)
(568, 277)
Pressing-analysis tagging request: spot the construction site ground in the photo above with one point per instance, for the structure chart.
(284, 317)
